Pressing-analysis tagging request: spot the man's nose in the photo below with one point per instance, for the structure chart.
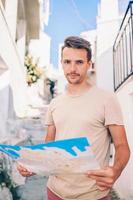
(73, 67)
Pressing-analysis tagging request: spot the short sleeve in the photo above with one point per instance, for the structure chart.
(49, 118)
(113, 113)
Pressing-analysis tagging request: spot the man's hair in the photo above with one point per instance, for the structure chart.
(78, 43)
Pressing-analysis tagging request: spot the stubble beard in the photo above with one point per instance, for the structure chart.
(74, 81)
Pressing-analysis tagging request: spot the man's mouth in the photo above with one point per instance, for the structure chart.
(73, 75)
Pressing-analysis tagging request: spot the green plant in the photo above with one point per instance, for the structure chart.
(51, 84)
(113, 195)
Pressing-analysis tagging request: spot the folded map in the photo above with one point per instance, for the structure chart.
(70, 156)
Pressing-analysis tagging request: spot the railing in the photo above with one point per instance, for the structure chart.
(123, 49)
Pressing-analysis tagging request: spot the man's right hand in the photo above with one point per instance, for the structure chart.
(24, 172)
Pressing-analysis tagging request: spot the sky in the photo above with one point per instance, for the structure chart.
(69, 17)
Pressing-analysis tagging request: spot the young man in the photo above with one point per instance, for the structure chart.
(85, 110)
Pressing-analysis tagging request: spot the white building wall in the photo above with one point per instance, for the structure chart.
(13, 87)
(4, 100)
(62, 82)
(91, 36)
(10, 56)
(107, 28)
(11, 16)
(41, 49)
(44, 12)
(59, 58)
(124, 184)
(21, 39)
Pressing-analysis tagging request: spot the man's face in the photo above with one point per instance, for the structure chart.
(75, 64)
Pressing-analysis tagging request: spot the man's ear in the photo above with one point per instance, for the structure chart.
(89, 64)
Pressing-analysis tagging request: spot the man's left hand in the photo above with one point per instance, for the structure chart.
(104, 178)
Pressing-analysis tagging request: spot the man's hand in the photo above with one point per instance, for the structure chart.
(24, 172)
(104, 178)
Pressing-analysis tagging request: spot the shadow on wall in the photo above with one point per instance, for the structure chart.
(7, 110)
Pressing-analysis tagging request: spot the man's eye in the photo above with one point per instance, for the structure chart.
(79, 62)
(66, 61)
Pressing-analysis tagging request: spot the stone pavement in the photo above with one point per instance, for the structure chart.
(35, 186)
(34, 189)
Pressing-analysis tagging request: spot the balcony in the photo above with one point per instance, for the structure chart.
(123, 49)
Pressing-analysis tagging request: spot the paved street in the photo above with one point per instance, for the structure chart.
(34, 187)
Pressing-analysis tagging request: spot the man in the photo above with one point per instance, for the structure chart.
(85, 110)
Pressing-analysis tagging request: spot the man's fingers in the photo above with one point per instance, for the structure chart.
(106, 172)
(24, 172)
(105, 180)
(104, 177)
(102, 188)
(97, 178)
(101, 178)
(98, 172)
(104, 184)
(21, 168)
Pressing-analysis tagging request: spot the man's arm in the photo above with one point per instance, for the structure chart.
(50, 136)
(51, 131)
(122, 151)
(106, 177)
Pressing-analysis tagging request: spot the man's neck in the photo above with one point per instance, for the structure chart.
(76, 89)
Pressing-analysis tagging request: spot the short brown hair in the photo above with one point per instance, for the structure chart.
(78, 43)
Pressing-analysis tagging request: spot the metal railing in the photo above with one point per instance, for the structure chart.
(123, 49)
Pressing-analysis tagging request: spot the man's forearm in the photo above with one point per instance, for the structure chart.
(49, 139)
(106, 177)
(51, 131)
(122, 154)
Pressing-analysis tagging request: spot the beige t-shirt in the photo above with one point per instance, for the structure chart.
(86, 115)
